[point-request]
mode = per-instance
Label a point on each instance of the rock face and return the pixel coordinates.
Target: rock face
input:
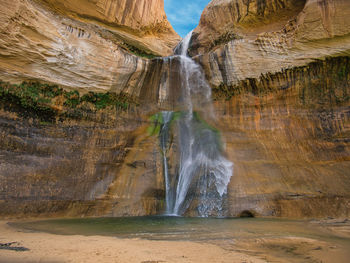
(288, 34)
(88, 165)
(280, 77)
(288, 137)
(225, 20)
(84, 45)
(135, 15)
(285, 118)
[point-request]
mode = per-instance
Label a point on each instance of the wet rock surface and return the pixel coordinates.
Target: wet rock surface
(289, 141)
(66, 168)
(280, 84)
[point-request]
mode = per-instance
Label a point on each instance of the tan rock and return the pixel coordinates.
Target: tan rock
(283, 38)
(288, 137)
(283, 114)
(240, 18)
(81, 50)
(285, 120)
(133, 14)
(145, 19)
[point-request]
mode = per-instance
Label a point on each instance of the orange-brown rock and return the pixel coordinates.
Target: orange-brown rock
(224, 20)
(280, 79)
(84, 45)
(142, 18)
(288, 137)
(233, 47)
(284, 117)
(102, 163)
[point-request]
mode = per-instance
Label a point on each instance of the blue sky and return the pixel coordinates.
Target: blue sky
(184, 15)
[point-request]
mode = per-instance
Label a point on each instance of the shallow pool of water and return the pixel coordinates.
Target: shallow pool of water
(178, 228)
(272, 239)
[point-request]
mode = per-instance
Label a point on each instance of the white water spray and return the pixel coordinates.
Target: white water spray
(204, 172)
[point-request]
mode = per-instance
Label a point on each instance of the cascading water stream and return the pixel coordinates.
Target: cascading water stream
(203, 172)
(164, 134)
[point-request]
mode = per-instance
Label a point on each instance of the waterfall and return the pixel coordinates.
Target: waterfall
(164, 136)
(204, 172)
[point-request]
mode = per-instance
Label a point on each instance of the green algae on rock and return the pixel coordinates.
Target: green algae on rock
(47, 102)
(328, 76)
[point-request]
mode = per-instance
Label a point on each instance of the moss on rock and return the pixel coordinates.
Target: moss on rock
(47, 102)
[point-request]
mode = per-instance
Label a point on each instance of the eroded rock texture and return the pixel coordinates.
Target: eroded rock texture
(282, 101)
(84, 45)
(100, 164)
(225, 20)
(279, 72)
(135, 15)
(288, 136)
(286, 34)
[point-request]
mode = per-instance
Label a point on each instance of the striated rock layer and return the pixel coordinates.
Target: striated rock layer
(84, 45)
(280, 77)
(86, 165)
(288, 136)
(286, 133)
(225, 20)
(233, 47)
(135, 15)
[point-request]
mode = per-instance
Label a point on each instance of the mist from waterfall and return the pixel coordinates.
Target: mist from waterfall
(203, 172)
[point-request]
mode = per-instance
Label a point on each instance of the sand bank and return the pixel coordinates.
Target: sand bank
(45, 247)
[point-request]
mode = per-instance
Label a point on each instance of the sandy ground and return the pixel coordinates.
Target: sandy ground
(45, 248)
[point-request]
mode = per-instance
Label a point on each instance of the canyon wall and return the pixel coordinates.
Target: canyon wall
(70, 168)
(140, 16)
(90, 155)
(291, 34)
(83, 45)
(280, 78)
(54, 142)
(288, 136)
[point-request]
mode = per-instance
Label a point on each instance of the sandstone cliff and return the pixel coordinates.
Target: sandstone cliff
(280, 77)
(133, 15)
(288, 136)
(225, 20)
(85, 45)
(244, 39)
(53, 141)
